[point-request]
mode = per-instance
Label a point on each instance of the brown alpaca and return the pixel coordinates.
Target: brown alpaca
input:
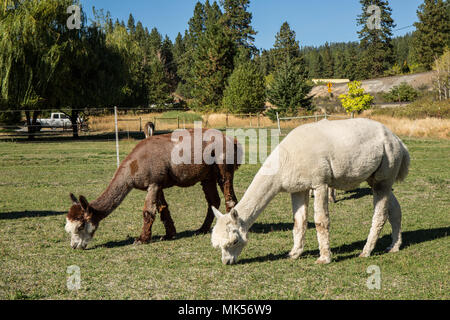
(149, 129)
(149, 167)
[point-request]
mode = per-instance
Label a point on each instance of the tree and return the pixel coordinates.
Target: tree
(442, 77)
(238, 22)
(286, 47)
(245, 92)
(289, 91)
(356, 100)
(376, 40)
(328, 62)
(433, 31)
(131, 24)
(212, 65)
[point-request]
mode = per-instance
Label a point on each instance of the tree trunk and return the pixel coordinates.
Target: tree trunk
(32, 123)
(73, 119)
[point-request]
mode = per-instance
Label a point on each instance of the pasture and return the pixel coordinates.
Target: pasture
(36, 179)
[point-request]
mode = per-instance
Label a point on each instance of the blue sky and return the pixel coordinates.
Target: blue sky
(315, 22)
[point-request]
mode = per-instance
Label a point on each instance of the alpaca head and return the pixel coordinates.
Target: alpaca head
(229, 235)
(79, 223)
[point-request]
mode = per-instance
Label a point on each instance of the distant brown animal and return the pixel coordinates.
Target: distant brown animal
(149, 167)
(149, 129)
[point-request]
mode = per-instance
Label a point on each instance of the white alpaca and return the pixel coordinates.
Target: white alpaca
(339, 154)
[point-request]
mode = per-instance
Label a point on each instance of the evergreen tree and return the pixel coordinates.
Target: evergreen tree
(289, 91)
(131, 24)
(433, 31)
(212, 65)
(245, 92)
(238, 22)
(328, 62)
(286, 47)
(376, 43)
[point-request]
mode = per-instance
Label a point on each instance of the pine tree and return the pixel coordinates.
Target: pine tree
(376, 43)
(433, 31)
(238, 22)
(245, 92)
(286, 47)
(328, 62)
(212, 65)
(131, 24)
(289, 91)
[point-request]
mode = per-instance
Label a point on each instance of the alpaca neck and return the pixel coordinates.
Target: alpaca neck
(258, 195)
(112, 197)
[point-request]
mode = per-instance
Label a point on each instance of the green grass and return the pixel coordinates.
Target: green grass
(36, 179)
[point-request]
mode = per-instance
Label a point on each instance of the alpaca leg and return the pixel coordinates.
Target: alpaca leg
(149, 214)
(331, 194)
(228, 191)
(395, 219)
(380, 202)
(300, 209)
(163, 209)
(322, 221)
(213, 199)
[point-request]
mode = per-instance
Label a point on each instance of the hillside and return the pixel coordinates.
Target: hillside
(418, 80)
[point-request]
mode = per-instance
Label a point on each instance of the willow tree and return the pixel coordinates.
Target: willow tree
(31, 48)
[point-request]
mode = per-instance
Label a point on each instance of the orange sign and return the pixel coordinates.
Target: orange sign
(329, 85)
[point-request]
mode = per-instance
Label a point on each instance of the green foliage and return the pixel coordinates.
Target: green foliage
(433, 31)
(245, 92)
(376, 44)
(356, 100)
(212, 65)
(402, 93)
(420, 109)
(289, 91)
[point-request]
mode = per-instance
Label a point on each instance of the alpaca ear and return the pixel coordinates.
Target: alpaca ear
(234, 215)
(217, 213)
(74, 199)
(84, 203)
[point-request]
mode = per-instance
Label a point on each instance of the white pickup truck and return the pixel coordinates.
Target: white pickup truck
(56, 120)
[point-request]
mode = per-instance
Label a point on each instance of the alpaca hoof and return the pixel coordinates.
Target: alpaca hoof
(167, 237)
(364, 255)
(391, 249)
(201, 231)
(294, 254)
(325, 260)
(138, 241)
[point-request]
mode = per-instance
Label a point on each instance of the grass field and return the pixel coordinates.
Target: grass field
(36, 179)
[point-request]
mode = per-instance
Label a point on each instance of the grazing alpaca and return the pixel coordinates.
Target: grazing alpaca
(149, 129)
(340, 154)
(149, 167)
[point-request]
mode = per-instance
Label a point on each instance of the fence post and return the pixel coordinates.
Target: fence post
(178, 122)
(117, 136)
(278, 122)
(325, 114)
(226, 120)
(140, 124)
(258, 118)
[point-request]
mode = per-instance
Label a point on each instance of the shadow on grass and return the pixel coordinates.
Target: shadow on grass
(130, 240)
(29, 214)
(356, 194)
(409, 238)
(269, 227)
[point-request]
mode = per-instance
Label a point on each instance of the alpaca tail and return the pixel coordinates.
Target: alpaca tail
(404, 166)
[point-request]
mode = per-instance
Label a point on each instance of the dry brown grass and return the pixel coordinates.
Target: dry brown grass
(421, 128)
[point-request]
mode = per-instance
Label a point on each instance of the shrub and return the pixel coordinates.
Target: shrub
(420, 109)
(402, 93)
(356, 100)
(245, 92)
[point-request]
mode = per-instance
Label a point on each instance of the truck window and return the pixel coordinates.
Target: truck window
(56, 116)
